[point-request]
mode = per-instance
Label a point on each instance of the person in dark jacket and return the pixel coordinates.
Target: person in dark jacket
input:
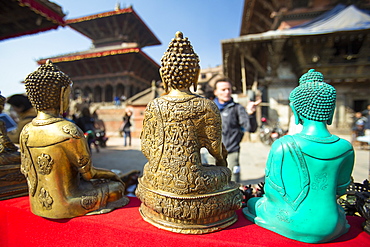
(126, 127)
(86, 123)
(25, 111)
(235, 121)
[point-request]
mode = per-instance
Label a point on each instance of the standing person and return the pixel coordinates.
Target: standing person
(358, 126)
(366, 114)
(86, 124)
(235, 121)
(25, 111)
(126, 127)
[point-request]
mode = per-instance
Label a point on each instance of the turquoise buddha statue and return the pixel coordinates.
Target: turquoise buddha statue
(306, 172)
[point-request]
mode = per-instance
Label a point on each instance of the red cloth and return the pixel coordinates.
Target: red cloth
(125, 227)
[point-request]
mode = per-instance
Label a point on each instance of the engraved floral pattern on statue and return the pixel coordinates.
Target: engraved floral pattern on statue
(320, 181)
(44, 164)
(283, 215)
(89, 201)
(83, 160)
(200, 211)
(72, 130)
(45, 199)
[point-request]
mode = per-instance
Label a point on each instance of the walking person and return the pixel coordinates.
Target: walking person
(126, 127)
(235, 122)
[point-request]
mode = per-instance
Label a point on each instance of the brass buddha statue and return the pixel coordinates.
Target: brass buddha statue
(178, 192)
(8, 151)
(56, 159)
(13, 183)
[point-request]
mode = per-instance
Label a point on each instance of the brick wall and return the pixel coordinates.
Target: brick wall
(112, 118)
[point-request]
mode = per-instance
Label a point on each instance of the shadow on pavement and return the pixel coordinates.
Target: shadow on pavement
(123, 160)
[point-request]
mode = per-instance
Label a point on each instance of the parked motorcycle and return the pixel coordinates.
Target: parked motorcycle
(100, 138)
(90, 137)
(270, 134)
(265, 132)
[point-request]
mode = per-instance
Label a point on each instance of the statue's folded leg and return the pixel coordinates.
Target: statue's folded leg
(112, 197)
(250, 210)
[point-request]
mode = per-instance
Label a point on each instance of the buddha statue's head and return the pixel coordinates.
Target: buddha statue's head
(313, 99)
(179, 64)
(48, 88)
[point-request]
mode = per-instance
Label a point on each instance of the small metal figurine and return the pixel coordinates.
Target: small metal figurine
(306, 172)
(55, 156)
(363, 207)
(13, 183)
(179, 193)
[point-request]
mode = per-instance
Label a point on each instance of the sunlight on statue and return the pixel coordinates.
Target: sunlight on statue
(306, 172)
(55, 156)
(179, 193)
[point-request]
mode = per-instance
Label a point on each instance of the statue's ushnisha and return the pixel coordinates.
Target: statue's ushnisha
(178, 193)
(55, 156)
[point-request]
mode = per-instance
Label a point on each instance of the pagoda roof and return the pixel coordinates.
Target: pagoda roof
(100, 63)
(22, 17)
(339, 19)
(115, 27)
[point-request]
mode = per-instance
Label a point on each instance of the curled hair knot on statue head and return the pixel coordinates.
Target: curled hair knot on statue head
(313, 99)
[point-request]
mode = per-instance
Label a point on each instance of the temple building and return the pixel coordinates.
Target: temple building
(115, 66)
(23, 17)
(281, 40)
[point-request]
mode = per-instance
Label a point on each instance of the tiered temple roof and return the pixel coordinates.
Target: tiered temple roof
(22, 17)
(115, 27)
(115, 66)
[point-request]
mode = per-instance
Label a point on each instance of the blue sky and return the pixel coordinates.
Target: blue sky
(204, 22)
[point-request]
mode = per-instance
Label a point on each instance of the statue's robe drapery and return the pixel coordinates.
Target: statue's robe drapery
(303, 176)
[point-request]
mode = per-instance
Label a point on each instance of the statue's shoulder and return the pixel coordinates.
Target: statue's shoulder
(55, 132)
(210, 104)
(314, 146)
(70, 129)
(344, 144)
(277, 146)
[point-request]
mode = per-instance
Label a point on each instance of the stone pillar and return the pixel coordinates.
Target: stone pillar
(340, 118)
(243, 73)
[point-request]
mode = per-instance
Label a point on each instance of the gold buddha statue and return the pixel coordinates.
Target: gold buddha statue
(178, 192)
(55, 156)
(8, 151)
